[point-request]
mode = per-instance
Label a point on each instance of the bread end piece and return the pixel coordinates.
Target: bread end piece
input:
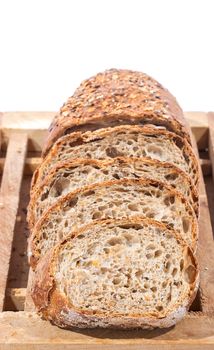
(56, 307)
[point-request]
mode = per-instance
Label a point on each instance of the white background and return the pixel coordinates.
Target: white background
(48, 47)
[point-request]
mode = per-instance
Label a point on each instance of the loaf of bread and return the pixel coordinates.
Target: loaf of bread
(122, 141)
(70, 175)
(124, 273)
(113, 199)
(113, 208)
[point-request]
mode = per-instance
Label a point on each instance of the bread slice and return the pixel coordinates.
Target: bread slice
(126, 273)
(123, 141)
(70, 175)
(113, 199)
(117, 97)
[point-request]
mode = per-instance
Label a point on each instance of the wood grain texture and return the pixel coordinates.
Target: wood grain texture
(30, 165)
(30, 332)
(9, 200)
(205, 251)
(206, 166)
(211, 139)
(35, 124)
(29, 305)
(15, 299)
(198, 122)
(18, 272)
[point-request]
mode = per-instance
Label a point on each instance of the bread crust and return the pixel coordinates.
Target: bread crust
(79, 138)
(115, 96)
(54, 306)
(102, 164)
(35, 236)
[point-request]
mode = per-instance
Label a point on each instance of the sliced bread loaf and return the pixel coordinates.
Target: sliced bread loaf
(125, 273)
(124, 141)
(117, 97)
(113, 199)
(70, 175)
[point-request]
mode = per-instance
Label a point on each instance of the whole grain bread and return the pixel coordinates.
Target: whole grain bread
(128, 273)
(118, 148)
(112, 199)
(70, 175)
(124, 141)
(117, 97)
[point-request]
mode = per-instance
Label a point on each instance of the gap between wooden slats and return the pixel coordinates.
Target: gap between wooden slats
(9, 200)
(205, 251)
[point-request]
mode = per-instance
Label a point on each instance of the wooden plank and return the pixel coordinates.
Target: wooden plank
(211, 139)
(205, 251)
(37, 123)
(18, 272)
(198, 122)
(26, 120)
(9, 200)
(0, 134)
(197, 119)
(206, 166)
(15, 299)
(30, 165)
(27, 331)
(29, 305)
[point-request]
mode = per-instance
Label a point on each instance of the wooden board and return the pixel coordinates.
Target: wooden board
(9, 199)
(20, 327)
(25, 330)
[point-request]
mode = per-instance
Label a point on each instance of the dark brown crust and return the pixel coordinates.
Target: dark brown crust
(73, 163)
(54, 306)
(34, 256)
(78, 138)
(110, 97)
(43, 286)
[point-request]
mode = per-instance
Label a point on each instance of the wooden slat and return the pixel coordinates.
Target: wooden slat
(29, 305)
(30, 165)
(35, 124)
(198, 122)
(0, 133)
(27, 331)
(205, 250)
(26, 120)
(206, 166)
(197, 119)
(211, 139)
(15, 299)
(9, 200)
